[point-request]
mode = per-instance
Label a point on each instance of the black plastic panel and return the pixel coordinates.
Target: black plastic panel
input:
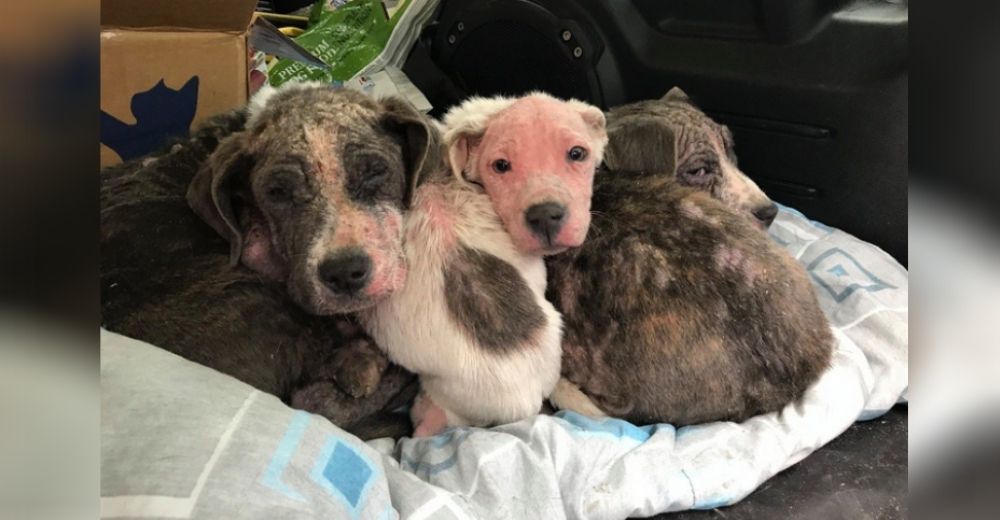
(776, 21)
(513, 46)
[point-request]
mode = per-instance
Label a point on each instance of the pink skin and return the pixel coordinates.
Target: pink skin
(430, 202)
(389, 272)
(535, 135)
(259, 255)
(428, 418)
(377, 232)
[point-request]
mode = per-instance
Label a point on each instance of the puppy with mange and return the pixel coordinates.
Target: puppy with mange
(672, 133)
(472, 320)
(678, 308)
(303, 194)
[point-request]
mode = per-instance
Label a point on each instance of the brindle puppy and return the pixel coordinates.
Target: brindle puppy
(677, 308)
(638, 134)
(303, 199)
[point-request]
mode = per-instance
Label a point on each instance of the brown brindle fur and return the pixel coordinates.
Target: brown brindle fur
(249, 307)
(670, 133)
(678, 309)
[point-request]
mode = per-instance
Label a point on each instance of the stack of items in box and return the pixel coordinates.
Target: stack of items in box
(168, 66)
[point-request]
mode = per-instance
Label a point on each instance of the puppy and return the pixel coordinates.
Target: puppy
(638, 134)
(473, 320)
(303, 194)
(678, 308)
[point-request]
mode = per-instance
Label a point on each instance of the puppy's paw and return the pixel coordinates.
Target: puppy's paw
(359, 367)
(434, 423)
(568, 396)
(429, 419)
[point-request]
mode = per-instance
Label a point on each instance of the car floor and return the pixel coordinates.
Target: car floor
(860, 474)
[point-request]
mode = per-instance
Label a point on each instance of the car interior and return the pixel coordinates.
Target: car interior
(816, 95)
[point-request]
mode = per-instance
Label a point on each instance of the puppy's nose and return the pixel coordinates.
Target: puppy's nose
(545, 220)
(766, 214)
(346, 273)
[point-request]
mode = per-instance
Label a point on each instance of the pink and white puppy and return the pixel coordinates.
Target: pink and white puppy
(472, 319)
(542, 197)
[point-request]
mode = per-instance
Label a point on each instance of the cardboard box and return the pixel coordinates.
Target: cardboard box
(166, 65)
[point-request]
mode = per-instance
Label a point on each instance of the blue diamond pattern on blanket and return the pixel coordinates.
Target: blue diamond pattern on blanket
(837, 270)
(344, 472)
(841, 275)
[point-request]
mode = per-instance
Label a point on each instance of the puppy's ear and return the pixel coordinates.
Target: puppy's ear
(459, 154)
(594, 118)
(640, 144)
(421, 141)
(465, 126)
(676, 94)
(728, 143)
(212, 190)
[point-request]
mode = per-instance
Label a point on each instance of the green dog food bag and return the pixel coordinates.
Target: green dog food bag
(346, 35)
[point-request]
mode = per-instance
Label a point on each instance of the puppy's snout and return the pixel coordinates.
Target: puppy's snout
(766, 214)
(545, 220)
(346, 273)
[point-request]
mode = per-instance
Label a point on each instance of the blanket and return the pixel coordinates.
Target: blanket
(180, 440)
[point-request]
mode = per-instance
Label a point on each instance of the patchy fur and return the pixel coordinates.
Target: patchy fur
(677, 309)
(473, 320)
(490, 300)
(283, 193)
(476, 375)
(672, 135)
(321, 174)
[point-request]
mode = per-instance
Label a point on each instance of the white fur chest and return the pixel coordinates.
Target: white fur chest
(418, 330)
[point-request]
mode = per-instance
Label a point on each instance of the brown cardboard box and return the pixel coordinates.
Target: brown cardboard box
(167, 65)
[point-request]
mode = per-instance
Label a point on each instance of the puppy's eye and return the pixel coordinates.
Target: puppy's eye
(577, 154)
(501, 166)
(278, 193)
(375, 177)
(697, 176)
(283, 184)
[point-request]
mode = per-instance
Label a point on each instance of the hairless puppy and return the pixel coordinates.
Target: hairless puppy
(472, 320)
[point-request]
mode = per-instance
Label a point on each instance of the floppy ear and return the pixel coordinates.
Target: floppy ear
(459, 153)
(421, 141)
(641, 145)
(465, 125)
(594, 118)
(210, 194)
(676, 94)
